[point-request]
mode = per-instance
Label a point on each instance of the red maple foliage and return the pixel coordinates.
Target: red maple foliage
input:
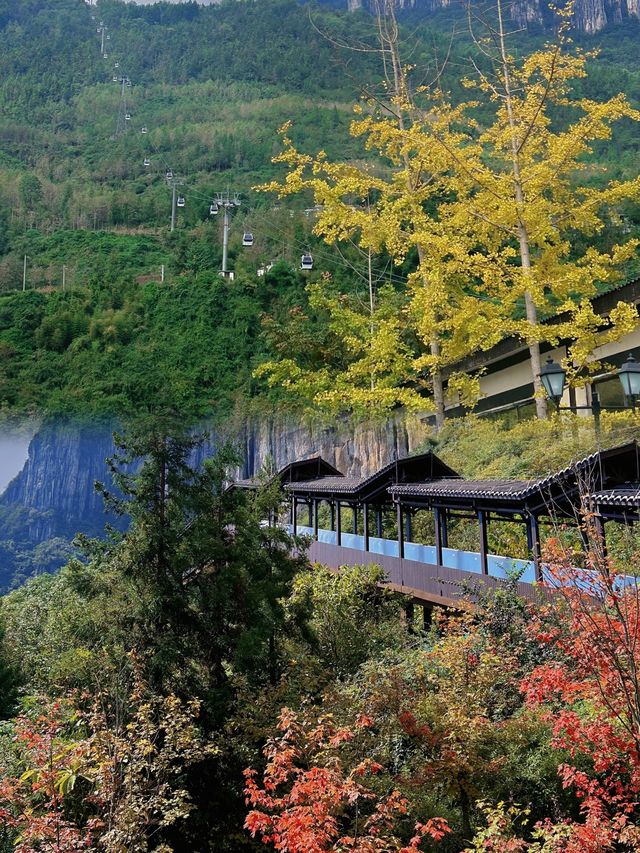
(309, 802)
(590, 693)
(54, 760)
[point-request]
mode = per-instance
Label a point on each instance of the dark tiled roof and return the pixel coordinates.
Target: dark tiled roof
(518, 490)
(289, 472)
(410, 468)
(591, 461)
(468, 488)
(425, 476)
(343, 485)
(245, 484)
(626, 495)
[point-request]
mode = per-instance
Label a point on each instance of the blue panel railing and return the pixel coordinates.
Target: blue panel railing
(420, 553)
(328, 536)
(387, 547)
(499, 567)
(452, 558)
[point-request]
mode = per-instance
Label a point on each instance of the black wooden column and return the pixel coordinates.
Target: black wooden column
(338, 524)
(407, 525)
(438, 527)
(533, 543)
(400, 531)
(316, 510)
(365, 520)
(294, 514)
(332, 511)
(444, 530)
(484, 545)
(355, 519)
(598, 522)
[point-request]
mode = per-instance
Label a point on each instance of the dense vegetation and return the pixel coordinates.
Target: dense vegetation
(212, 84)
(137, 686)
(192, 684)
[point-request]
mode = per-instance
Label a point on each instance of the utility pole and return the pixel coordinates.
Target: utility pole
(122, 109)
(173, 205)
(24, 275)
(102, 30)
(225, 240)
(226, 202)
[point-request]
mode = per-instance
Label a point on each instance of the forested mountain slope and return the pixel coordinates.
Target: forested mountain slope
(98, 334)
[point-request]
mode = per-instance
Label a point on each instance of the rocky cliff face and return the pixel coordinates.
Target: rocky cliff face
(56, 485)
(355, 452)
(591, 16)
(53, 497)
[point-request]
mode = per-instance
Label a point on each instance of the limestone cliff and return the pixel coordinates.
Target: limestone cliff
(591, 16)
(53, 497)
(354, 451)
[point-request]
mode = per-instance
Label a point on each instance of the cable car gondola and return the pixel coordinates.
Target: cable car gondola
(181, 201)
(116, 65)
(169, 175)
(147, 162)
(127, 116)
(115, 79)
(144, 130)
(306, 261)
(247, 238)
(213, 209)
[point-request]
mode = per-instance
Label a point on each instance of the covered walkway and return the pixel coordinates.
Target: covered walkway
(405, 516)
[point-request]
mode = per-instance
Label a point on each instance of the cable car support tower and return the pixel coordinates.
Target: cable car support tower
(227, 203)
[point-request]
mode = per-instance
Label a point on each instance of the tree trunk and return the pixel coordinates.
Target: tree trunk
(388, 35)
(523, 236)
(534, 354)
(438, 389)
(465, 809)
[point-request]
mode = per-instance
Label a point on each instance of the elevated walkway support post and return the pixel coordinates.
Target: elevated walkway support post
(316, 510)
(294, 515)
(355, 519)
(427, 617)
(338, 525)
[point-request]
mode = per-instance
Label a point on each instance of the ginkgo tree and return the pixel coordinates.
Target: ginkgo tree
(405, 337)
(523, 198)
(491, 211)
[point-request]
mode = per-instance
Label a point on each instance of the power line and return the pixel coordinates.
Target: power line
(222, 200)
